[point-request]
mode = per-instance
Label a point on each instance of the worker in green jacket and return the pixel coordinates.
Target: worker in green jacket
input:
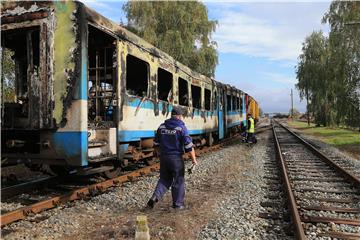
(250, 130)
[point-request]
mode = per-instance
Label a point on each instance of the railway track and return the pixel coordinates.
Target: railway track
(62, 192)
(323, 195)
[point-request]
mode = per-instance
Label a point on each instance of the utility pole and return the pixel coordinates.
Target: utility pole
(292, 106)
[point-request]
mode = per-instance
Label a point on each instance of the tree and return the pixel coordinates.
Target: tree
(328, 71)
(311, 74)
(344, 20)
(7, 76)
(180, 28)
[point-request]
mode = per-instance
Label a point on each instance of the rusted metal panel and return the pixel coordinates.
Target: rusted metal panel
(46, 115)
(25, 17)
(65, 45)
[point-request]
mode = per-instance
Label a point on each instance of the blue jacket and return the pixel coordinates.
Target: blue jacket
(173, 138)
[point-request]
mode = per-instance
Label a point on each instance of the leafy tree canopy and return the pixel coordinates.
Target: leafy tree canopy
(328, 70)
(180, 28)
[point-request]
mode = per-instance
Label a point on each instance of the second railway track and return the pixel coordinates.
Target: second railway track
(324, 198)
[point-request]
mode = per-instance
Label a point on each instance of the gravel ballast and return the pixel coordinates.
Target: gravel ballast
(222, 201)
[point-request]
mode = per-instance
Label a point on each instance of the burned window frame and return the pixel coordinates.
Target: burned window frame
(180, 79)
(147, 76)
(198, 96)
(207, 100)
(169, 97)
(241, 106)
(237, 103)
(34, 103)
(234, 103)
(228, 103)
(215, 100)
(105, 92)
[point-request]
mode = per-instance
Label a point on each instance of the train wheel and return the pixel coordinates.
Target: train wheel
(116, 171)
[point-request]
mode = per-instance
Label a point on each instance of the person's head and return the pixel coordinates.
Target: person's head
(176, 112)
(249, 116)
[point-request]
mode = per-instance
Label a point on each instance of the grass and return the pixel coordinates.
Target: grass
(343, 139)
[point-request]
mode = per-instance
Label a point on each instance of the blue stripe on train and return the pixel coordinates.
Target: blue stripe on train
(136, 135)
(73, 145)
(148, 104)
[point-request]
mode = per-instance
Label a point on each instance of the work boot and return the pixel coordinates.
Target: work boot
(179, 207)
(151, 203)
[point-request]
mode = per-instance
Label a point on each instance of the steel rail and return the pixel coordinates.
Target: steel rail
(323, 157)
(23, 212)
(10, 191)
(300, 234)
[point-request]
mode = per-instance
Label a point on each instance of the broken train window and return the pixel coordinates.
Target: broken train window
(137, 75)
(102, 76)
(215, 100)
(207, 99)
(234, 103)
(164, 85)
(228, 102)
(20, 68)
(196, 96)
(241, 105)
(183, 92)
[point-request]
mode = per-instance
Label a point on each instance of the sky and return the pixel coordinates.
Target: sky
(258, 44)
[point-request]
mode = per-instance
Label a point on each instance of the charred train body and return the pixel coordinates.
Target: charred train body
(86, 92)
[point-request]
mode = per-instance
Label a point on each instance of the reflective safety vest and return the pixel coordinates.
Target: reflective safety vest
(252, 127)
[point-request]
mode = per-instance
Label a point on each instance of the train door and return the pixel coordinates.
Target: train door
(102, 96)
(221, 113)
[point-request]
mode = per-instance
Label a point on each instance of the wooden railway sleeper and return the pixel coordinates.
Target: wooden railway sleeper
(56, 203)
(27, 211)
(81, 195)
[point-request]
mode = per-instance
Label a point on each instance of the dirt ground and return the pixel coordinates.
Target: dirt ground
(166, 223)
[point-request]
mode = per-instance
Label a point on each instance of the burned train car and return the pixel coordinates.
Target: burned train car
(88, 93)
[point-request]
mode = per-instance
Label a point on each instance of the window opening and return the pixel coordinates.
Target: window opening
(237, 103)
(137, 74)
(207, 99)
(228, 102)
(215, 100)
(20, 49)
(241, 103)
(183, 92)
(234, 105)
(164, 85)
(102, 76)
(196, 96)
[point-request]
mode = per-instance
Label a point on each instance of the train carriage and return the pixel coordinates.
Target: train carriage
(89, 93)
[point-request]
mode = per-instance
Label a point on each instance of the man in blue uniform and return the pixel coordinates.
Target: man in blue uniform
(172, 140)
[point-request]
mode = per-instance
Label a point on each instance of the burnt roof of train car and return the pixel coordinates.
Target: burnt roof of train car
(102, 22)
(13, 11)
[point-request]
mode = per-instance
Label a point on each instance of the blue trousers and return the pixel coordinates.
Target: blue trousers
(172, 172)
